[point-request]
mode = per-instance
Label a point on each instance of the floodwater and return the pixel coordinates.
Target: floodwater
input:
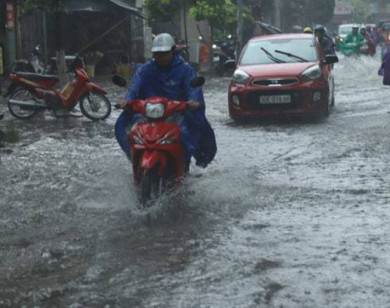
(289, 214)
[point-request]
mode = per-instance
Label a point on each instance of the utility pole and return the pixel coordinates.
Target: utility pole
(277, 16)
(239, 29)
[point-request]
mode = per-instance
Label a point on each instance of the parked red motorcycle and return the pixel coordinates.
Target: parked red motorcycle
(157, 153)
(30, 92)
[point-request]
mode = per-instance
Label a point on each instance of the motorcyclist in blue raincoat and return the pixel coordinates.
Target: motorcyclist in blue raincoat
(168, 75)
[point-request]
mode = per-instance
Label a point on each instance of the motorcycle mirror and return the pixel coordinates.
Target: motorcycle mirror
(197, 82)
(119, 81)
(37, 50)
(330, 59)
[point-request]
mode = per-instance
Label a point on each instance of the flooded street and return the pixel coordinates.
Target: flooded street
(289, 214)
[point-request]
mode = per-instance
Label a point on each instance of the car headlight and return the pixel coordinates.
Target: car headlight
(240, 77)
(312, 73)
(154, 111)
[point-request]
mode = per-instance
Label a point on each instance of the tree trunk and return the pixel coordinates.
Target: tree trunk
(62, 67)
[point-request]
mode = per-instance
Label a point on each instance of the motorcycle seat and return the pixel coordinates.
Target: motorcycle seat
(37, 76)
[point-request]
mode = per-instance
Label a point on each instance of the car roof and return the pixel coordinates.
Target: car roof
(350, 25)
(281, 36)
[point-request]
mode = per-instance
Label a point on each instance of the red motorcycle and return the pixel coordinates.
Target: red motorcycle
(157, 153)
(30, 92)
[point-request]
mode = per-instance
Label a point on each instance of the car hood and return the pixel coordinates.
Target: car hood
(276, 70)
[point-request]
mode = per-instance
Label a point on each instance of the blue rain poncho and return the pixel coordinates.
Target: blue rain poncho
(151, 79)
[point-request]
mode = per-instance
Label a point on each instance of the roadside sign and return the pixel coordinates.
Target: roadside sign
(343, 8)
(10, 11)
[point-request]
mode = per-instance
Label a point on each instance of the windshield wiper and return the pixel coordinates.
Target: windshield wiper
(291, 55)
(276, 60)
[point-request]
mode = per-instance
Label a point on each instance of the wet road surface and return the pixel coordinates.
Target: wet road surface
(290, 213)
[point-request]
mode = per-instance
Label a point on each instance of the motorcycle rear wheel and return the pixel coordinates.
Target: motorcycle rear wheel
(95, 106)
(20, 112)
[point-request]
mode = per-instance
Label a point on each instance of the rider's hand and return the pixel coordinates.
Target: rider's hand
(122, 103)
(192, 105)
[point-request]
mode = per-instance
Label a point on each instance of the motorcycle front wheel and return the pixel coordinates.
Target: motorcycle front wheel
(150, 188)
(95, 106)
(22, 112)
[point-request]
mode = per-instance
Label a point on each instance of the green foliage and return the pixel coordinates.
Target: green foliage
(361, 10)
(50, 6)
(10, 134)
(323, 10)
(162, 10)
(221, 14)
(217, 12)
(317, 12)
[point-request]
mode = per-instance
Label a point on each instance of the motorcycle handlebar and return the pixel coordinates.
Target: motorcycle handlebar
(188, 106)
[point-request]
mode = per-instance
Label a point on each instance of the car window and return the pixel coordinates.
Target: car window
(345, 30)
(303, 48)
(386, 27)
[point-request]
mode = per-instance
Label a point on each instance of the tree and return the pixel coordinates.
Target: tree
(163, 10)
(361, 10)
(218, 13)
(221, 14)
(320, 11)
(55, 7)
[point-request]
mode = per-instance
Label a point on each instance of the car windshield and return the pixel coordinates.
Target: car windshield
(263, 52)
(345, 30)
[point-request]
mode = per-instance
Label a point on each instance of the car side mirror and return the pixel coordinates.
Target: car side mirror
(197, 82)
(119, 81)
(330, 59)
(230, 64)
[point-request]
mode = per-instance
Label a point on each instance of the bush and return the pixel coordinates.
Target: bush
(10, 135)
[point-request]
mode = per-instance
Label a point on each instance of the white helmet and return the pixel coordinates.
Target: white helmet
(163, 42)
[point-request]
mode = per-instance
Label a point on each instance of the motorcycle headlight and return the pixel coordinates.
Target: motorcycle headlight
(240, 77)
(168, 141)
(312, 73)
(154, 111)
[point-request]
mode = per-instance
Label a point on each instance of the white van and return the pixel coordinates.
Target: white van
(346, 29)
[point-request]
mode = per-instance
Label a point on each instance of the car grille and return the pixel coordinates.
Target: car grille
(254, 100)
(274, 82)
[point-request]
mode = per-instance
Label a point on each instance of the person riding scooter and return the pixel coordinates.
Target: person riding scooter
(353, 42)
(371, 48)
(326, 42)
(168, 75)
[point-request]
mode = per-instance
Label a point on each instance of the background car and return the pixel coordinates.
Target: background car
(284, 74)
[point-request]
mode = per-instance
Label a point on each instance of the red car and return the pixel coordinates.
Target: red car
(283, 74)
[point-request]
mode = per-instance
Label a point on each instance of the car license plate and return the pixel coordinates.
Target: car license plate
(275, 99)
